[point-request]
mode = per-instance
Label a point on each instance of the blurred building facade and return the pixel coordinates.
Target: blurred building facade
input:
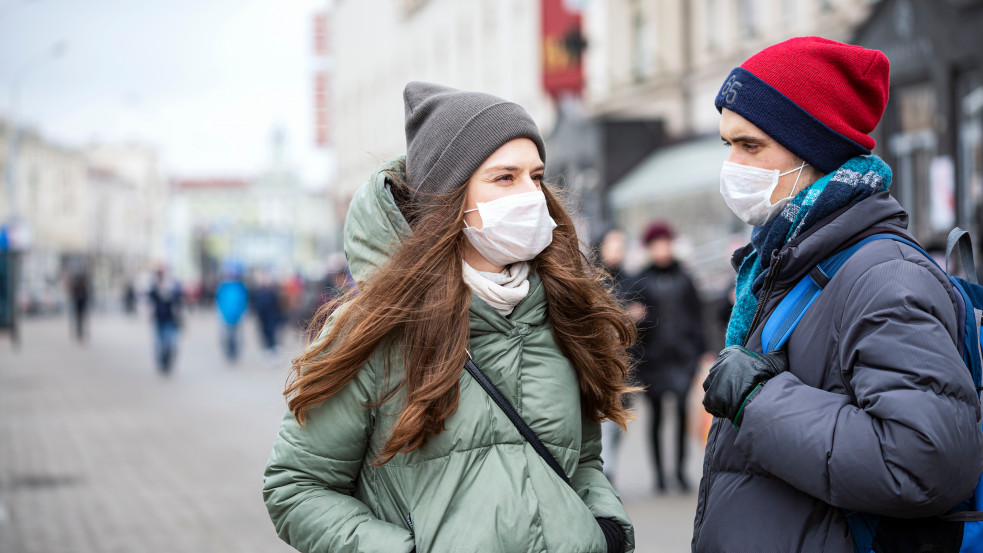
(129, 199)
(932, 131)
(639, 140)
(379, 45)
(76, 212)
(269, 221)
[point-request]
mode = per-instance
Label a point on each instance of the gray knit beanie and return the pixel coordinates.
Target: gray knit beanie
(450, 133)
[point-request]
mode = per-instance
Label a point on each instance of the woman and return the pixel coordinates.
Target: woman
(389, 445)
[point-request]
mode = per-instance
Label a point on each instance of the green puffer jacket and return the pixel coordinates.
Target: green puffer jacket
(478, 485)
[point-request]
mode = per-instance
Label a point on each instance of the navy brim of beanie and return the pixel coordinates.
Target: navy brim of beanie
(784, 121)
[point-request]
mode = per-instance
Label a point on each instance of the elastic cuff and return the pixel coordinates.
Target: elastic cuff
(614, 536)
(739, 417)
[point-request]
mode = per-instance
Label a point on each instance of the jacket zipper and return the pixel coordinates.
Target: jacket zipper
(705, 492)
(409, 521)
(765, 295)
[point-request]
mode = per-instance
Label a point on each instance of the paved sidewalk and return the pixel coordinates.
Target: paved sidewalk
(99, 454)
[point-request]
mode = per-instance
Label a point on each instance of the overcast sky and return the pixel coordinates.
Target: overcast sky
(206, 81)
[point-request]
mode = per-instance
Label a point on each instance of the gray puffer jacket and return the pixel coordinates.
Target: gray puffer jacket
(877, 412)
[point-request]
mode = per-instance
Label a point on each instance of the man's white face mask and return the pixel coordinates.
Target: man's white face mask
(514, 228)
(747, 191)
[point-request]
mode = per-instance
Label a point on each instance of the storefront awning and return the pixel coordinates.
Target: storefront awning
(676, 170)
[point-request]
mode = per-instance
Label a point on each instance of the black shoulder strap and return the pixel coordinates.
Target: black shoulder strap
(513, 416)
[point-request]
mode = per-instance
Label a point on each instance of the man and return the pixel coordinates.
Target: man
(266, 303)
(670, 342)
(869, 407)
(165, 299)
(79, 289)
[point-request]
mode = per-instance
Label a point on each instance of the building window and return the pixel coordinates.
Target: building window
(969, 98)
(914, 146)
(746, 15)
(712, 17)
(641, 40)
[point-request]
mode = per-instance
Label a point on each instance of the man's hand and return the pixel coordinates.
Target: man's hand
(736, 377)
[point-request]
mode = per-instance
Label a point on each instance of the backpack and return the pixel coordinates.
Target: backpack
(960, 530)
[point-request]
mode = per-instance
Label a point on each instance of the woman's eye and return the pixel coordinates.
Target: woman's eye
(503, 178)
(537, 178)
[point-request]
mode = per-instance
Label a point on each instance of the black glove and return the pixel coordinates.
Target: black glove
(736, 377)
(614, 536)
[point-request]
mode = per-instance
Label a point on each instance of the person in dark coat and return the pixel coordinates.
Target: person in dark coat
(670, 342)
(165, 301)
(79, 290)
(129, 298)
(269, 314)
(868, 408)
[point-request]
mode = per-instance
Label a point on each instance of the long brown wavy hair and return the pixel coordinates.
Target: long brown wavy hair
(418, 299)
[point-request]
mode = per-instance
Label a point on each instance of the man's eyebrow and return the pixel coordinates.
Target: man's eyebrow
(745, 138)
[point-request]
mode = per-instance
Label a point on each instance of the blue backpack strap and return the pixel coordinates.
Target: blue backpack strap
(783, 320)
(863, 528)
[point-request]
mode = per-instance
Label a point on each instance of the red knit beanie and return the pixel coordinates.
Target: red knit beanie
(817, 97)
(657, 230)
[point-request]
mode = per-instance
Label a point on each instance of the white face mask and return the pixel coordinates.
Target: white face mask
(747, 191)
(514, 228)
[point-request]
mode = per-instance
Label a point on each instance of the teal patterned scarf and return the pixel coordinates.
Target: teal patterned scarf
(855, 180)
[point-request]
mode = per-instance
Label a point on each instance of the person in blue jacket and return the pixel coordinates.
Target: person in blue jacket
(232, 299)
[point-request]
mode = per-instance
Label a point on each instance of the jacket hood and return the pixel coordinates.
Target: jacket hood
(374, 225)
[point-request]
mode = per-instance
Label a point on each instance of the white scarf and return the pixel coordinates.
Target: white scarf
(504, 290)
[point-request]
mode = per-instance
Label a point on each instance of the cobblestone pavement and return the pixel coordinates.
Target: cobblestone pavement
(99, 454)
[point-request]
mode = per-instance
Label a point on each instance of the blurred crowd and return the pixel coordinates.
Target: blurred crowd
(276, 304)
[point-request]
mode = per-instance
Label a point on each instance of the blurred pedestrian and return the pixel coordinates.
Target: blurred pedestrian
(670, 343)
(388, 446)
(165, 301)
(292, 294)
(79, 289)
(268, 309)
(324, 300)
(611, 253)
(129, 297)
(865, 425)
(231, 299)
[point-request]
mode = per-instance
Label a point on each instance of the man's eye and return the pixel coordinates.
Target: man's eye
(751, 147)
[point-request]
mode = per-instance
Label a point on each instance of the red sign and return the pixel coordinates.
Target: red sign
(322, 109)
(563, 46)
(321, 46)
